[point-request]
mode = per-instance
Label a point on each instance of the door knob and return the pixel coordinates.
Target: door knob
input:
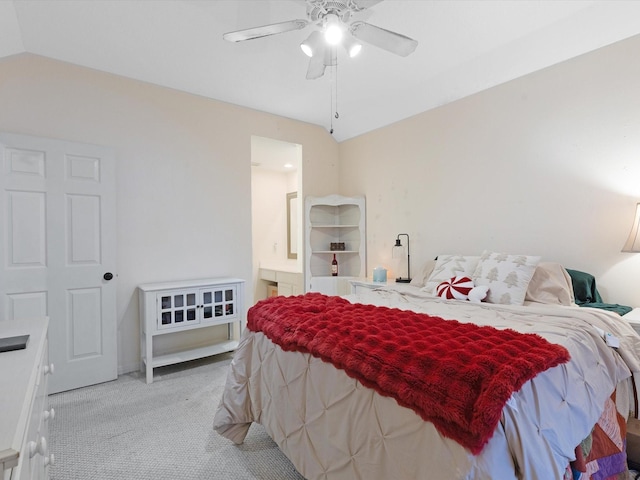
(108, 276)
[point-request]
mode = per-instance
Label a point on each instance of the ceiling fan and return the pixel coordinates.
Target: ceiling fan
(332, 26)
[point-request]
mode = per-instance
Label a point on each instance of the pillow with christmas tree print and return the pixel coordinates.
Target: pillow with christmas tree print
(507, 276)
(448, 266)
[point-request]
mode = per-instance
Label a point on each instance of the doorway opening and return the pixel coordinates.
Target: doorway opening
(276, 217)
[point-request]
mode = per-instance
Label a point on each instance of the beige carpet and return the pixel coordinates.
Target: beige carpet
(128, 430)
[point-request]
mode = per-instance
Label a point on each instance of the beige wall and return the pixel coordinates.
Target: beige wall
(547, 164)
(183, 169)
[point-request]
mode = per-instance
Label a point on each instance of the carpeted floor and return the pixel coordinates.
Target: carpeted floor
(128, 430)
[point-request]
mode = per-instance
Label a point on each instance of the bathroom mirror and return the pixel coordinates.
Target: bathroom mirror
(292, 225)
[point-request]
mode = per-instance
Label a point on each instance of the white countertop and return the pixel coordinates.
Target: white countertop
(281, 267)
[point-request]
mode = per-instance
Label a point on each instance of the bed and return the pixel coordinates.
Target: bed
(567, 420)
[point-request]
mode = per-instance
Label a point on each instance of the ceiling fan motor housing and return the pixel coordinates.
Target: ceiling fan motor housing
(318, 9)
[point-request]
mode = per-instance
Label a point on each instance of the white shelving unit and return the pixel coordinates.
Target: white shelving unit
(172, 307)
(334, 219)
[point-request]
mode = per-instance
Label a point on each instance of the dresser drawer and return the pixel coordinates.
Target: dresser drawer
(24, 375)
(35, 450)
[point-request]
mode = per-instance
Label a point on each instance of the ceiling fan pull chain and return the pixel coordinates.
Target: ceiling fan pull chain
(334, 94)
(334, 100)
(336, 114)
(331, 103)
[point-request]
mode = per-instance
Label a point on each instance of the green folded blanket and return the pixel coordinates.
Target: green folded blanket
(586, 294)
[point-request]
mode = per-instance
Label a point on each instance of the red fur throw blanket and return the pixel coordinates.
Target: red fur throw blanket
(457, 375)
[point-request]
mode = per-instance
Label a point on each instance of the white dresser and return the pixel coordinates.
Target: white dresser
(24, 410)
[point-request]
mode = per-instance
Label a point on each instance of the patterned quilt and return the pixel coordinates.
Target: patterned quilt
(602, 455)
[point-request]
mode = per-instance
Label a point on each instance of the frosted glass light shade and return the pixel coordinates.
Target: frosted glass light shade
(351, 46)
(633, 242)
(312, 44)
(333, 30)
(306, 49)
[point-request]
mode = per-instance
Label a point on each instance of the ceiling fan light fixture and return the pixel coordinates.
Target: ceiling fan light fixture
(352, 46)
(306, 48)
(311, 44)
(332, 25)
(333, 30)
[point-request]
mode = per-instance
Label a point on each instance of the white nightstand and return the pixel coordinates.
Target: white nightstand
(361, 285)
(633, 317)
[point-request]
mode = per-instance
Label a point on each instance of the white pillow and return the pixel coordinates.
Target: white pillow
(423, 274)
(550, 284)
(449, 266)
(507, 276)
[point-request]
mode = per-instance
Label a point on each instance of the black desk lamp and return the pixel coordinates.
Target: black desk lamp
(399, 244)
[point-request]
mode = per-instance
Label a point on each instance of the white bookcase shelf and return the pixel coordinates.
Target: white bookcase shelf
(171, 307)
(194, 353)
(334, 219)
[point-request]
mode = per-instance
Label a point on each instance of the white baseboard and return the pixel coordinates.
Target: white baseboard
(132, 367)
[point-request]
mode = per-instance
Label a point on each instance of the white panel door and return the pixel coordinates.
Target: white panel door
(57, 246)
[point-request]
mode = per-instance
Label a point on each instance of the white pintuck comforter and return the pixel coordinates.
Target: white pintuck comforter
(332, 427)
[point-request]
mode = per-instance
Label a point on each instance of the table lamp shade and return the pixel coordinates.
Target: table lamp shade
(633, 242)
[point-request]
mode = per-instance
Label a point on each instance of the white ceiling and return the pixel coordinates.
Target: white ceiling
(464, 47)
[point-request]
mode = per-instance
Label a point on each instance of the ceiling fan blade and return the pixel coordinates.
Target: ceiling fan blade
(316, 67)
(387, 40)
(265, 30)
(323, 56)
(364, 4)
